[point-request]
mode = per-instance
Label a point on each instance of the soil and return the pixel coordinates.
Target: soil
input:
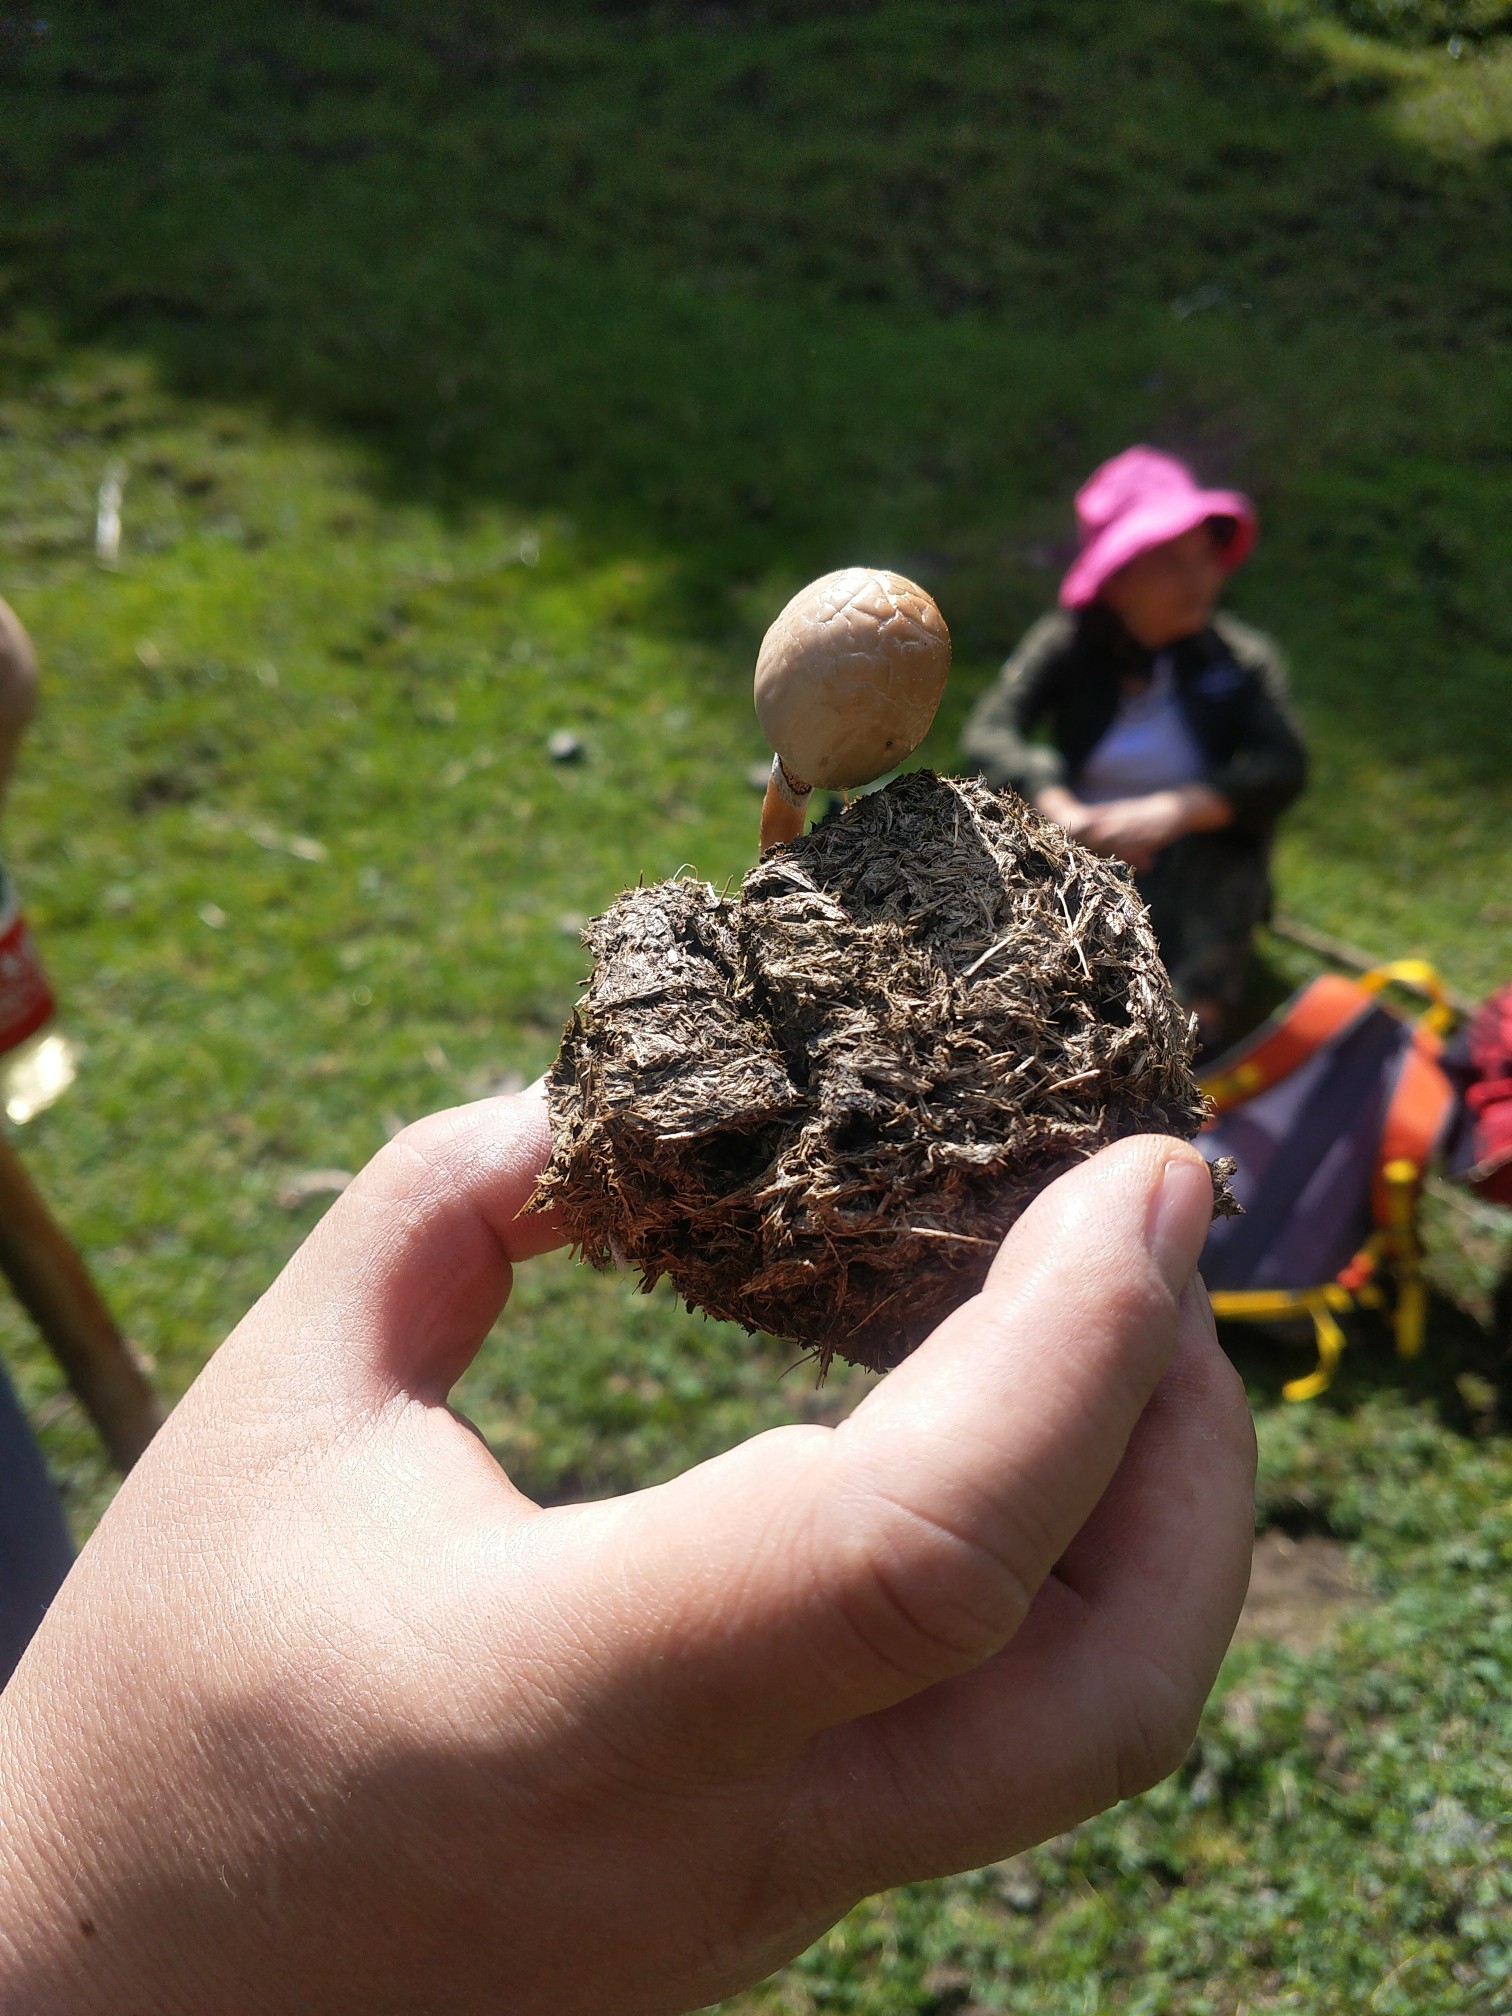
(1299, 1589)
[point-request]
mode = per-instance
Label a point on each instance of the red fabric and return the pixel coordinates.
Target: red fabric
(26, 1000)
(1491, 1035)
(1489, 1098)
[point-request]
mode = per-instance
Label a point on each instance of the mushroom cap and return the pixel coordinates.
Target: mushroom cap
(849, 676)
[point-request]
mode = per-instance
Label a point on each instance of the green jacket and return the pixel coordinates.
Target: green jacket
(1067, 677)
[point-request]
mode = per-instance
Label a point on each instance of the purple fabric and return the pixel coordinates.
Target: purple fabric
(1306, 1151)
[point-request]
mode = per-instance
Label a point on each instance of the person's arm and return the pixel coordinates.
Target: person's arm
(1248, 790)
(330, 1717)
(18, 691)
(1136, 829)
(997, 736)
(1060, 803)
(1268, 769)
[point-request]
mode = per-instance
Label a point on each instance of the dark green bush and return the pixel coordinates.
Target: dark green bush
(1423, 21)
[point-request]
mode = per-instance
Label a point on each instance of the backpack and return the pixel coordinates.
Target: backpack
(1332, 1112)
(1479, 1064)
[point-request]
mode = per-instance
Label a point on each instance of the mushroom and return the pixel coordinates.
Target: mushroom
(847, 682)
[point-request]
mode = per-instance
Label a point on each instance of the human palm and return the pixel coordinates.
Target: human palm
(331, 1718)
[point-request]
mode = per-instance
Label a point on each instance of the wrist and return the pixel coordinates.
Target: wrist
(1201, 809)
(71, 1938)
(33, 1925)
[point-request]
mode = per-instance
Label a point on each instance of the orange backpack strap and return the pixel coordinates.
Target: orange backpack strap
(1324, 1008)
(1417, 1114)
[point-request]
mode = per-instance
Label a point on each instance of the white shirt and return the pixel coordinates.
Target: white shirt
(1148, 745)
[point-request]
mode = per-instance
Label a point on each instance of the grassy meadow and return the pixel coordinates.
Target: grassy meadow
(482, 370)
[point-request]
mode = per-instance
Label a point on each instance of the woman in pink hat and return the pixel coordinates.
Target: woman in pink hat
(1170, 740)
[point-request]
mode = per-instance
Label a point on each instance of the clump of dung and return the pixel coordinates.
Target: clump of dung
(818, 1107)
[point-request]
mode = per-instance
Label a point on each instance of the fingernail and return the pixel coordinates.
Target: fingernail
(1180, 1213)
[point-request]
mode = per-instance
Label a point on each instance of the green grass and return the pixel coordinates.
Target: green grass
(478, 374)
(1338, 1840)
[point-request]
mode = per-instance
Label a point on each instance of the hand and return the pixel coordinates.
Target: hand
(329, 1718)
(1065, 808)
(1136, 829)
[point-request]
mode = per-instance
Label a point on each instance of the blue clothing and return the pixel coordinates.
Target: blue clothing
(35, 1553)
(1147, 747)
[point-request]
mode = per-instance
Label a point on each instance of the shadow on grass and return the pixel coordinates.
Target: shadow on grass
(1464, 1375)
(760, 287)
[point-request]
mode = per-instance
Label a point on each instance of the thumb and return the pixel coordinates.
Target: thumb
(400, 1282)
(816, 1575)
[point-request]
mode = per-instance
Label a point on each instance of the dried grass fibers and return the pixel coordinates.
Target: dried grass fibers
(818, 1107)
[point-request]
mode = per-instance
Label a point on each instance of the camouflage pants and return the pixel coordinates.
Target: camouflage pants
(1207, 892)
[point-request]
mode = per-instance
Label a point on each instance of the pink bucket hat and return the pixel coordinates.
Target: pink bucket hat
(1138, 500)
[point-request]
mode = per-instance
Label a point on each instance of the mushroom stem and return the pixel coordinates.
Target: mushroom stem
(784, 808)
